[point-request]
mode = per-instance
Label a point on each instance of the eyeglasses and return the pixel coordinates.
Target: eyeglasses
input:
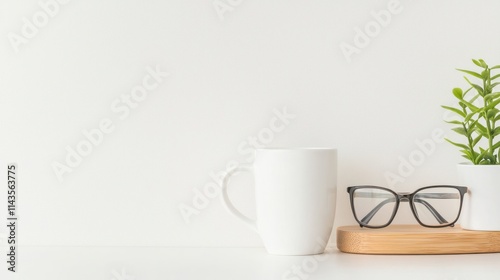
(433, 206)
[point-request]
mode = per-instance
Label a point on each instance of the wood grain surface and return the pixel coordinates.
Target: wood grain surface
(416, 240)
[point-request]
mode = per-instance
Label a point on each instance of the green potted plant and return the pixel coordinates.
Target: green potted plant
(478, 124)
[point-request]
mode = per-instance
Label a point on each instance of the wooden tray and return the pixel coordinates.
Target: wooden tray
(415, 239)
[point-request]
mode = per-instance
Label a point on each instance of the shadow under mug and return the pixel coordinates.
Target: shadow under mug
(295, 195)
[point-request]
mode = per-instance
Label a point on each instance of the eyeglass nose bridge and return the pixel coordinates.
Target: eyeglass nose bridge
(404, 197)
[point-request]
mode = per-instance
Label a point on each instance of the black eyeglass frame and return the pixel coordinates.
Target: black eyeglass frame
(410, 198)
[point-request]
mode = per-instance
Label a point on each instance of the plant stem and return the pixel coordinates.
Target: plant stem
(490, 125)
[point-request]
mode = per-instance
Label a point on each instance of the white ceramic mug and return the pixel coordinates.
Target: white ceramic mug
(295, 193)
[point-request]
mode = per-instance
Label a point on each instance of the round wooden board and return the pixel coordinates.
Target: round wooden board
(416, 240)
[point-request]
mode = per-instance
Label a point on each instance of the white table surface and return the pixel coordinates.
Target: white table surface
(142, 263)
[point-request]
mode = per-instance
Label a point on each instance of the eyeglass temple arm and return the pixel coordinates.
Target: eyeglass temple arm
(431, 209)
(434, 212)
(366, 219)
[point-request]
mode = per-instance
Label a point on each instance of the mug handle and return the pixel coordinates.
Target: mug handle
(225, 197)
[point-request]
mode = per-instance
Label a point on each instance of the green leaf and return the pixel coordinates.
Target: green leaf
(496, 76)
(477, 63)
(467, 91)
(474, 142)
(458, 93)
(492, 104)
(479, 162)
(474, 98)
(471, 106)
(472, 125)
(462, 105)
(495, 132)
(455, 110)
(496, 145)
(460, 130)
(491, 113)
(468, 158)
(481, 130)
(494, 85)
(455, 122)
(495, 67)
(483, 63)
(485, 74)
(467, 154)
(457, 144)
(477, 87)
(478, 159)
(472, 73)
(481, 126)
(490, 157)
(492, 95)
(468, 117)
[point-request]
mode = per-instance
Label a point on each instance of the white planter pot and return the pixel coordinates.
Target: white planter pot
(481, 209)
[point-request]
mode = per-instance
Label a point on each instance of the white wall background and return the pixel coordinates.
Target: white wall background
(226, 78)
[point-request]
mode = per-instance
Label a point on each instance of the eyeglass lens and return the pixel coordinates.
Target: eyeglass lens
(374, 207)
(437, 206)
